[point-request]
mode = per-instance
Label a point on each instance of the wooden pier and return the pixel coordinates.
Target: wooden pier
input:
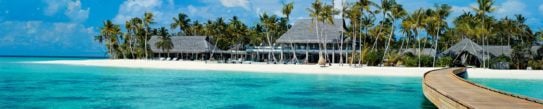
(448, 90)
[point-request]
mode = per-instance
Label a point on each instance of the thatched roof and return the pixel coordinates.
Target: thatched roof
(537, 50)
(466, 45)
(423, 51)
(507, 50)
(186, 44)
(303, 31)
(498, 50)
(237, 47)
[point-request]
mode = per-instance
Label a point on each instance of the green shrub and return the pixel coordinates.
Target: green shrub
(495, 63)
(521, 55)
(426, 61)
(409, 61)
(444, 61)
(373, 58)
(535, 64)
(413, 61)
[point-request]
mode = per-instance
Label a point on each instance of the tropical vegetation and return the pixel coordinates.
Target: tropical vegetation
(382, 29)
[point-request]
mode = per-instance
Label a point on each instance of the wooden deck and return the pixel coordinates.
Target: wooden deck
(447, 90)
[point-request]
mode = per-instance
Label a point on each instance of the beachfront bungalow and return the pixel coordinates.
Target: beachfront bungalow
(416, 52)
(301, 42)
(186, 48)
(467, 52)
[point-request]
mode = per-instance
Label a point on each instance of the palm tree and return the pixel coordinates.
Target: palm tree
(484, 7)
(197, 28)
(238, 30)
(182, 22)
(366, 22)
(165, 42)
(209, 30)
(138, 31)
(147, 21)
(287, 10)
(418, 23)
(397, 12)
(386, 6)
(128, 37)
(269, 23)
(406, 28)
(327, 14)
(109, 33)
(315, 11)
(440, 15)
(354, 14)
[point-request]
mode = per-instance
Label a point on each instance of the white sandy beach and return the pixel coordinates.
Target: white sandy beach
(300, 69)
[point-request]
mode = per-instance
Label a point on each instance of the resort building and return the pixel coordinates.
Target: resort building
(301, 42)
(186, 47)
(468, 52)
(416, 52)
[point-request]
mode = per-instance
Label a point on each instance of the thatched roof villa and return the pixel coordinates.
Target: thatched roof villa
(186, 46)
(469, 52)
(303, 41)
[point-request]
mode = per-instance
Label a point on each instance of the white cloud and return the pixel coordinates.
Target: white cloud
(236, 3)
(541, 8)
(72, 9)
(38, 35)
(163, 11)
(75, 12)
(459, 10)
(53, 6)
(511, 7)
(135, 8)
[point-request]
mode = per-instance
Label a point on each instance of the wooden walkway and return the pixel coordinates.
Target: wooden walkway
(447, 90)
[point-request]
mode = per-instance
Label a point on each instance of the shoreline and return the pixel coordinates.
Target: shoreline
(336, 69)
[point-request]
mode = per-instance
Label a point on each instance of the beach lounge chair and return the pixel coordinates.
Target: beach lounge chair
(174, 59)
(240, 61)
(161, 59)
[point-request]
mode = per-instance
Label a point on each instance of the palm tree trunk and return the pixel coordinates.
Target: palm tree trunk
(353, 45)
(281, 58)
(388, 43)
(418, 51)
(319, 42)
(272, 49)
(294, 58)
(401, 47)
(435, 49)
(306, 53)
(325, 43)
(168, 52)
(341, 50)
(145, 45)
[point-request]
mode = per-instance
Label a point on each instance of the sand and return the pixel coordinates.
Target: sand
(299, 69)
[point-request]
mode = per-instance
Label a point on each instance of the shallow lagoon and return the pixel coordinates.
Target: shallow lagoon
(525, 87)
(60, 86)
(25, 85)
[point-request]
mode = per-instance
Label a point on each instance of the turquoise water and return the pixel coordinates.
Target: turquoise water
(524, 87)
(60, 86)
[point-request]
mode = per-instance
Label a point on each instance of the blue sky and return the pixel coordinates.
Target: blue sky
(67, 27)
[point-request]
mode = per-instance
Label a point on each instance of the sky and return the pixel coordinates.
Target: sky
(67, 27)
